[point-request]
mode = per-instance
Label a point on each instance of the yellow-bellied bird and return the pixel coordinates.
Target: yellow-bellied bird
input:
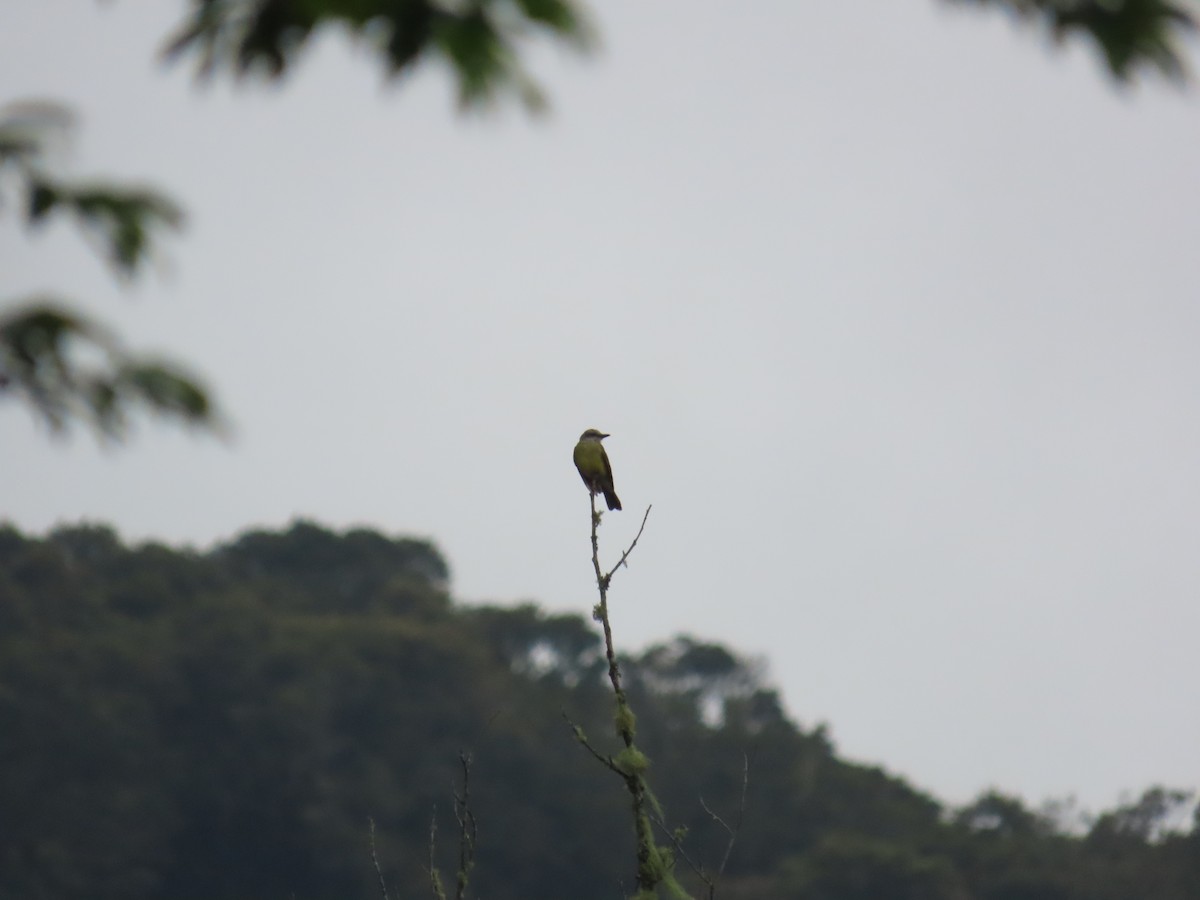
(594, 467)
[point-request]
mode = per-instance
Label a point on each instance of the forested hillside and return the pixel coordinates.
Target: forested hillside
(176, 724)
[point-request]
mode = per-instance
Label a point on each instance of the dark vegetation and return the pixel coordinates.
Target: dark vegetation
(221, 725)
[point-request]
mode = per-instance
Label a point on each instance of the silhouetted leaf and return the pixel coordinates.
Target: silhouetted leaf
(69, 367)
(42, 198)
(165, 389)
(478, 38)
(1130, 33)
(124, 218)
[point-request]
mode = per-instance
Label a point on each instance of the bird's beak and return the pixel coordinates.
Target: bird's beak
(603, 436)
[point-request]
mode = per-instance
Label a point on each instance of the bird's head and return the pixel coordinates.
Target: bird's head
(593, 434)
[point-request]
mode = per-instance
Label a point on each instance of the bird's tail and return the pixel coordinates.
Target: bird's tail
(611, 498)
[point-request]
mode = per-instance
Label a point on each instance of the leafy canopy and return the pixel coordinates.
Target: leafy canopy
(66, 365)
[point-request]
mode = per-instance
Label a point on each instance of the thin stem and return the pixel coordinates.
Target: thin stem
(601, 613)
(649, 873)
(435, 877)
(467, 828)
(732, 832)
(375, 859)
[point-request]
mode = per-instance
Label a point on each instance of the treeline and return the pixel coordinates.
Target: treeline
(176, 724)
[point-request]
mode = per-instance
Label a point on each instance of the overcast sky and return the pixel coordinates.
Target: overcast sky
(891, 311)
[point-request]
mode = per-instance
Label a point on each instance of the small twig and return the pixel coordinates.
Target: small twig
(629, 549)
(435, 877)
(606, 761)
(732, 832)
(710, 881)
(467, 828)
(375, 859)
(678, 844)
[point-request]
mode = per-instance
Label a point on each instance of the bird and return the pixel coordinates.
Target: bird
(594, 467)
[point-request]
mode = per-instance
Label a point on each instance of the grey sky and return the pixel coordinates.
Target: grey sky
(892, 315)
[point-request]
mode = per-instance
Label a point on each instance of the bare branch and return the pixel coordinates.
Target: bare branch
(606, 761)
(629, 549)
(375, 859)
(468, 831)
(435, 877)
(732, 832)
(674, 838)
(710, 881)
(737, 825)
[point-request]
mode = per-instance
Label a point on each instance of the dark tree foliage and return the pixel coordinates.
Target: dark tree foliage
(222, 724)
(478, 39)
(307, 567)
(1130, 34)
(63, 364)
(848, 866)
